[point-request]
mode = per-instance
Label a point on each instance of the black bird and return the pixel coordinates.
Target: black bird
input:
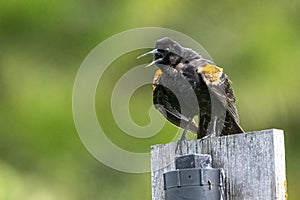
(187, 85)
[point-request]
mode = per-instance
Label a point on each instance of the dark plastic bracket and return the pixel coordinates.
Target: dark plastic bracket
(194, 178)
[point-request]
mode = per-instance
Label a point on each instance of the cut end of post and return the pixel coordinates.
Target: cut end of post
(241, 156)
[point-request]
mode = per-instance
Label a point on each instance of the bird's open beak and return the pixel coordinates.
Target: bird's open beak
(154, 51)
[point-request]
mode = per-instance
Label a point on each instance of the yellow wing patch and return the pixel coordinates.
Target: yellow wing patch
(211, 74)
(157, 74)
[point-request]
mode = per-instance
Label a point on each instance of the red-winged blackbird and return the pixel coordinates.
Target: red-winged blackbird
(187, 85)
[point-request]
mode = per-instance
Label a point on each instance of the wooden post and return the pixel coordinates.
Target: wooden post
(254, 163)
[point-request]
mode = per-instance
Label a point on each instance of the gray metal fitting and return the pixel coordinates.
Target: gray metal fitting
(194, 179)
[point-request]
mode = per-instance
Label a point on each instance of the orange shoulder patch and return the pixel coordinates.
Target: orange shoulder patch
(157, 74)
(211, 74)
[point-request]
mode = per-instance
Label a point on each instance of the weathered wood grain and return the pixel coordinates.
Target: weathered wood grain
(254, 163)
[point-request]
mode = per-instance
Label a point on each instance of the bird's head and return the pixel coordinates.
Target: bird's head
(169, 52)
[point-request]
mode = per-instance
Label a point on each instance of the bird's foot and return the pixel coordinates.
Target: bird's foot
(206, 137)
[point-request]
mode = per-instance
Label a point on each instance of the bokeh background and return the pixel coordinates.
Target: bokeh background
(43, 43)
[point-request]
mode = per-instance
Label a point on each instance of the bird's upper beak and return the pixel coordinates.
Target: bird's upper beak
(153, 52)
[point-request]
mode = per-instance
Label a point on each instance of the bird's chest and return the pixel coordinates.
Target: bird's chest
(187, 88)
(181, 85)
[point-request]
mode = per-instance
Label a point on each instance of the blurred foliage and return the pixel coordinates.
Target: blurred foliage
(42, 44)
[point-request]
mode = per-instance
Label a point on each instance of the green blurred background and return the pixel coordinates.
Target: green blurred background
(43, 43)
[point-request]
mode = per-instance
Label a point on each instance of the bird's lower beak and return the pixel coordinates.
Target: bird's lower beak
(154, 62)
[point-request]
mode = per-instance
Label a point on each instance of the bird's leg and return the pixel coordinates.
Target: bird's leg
(213, 129)
(202, 127)
(182, 139)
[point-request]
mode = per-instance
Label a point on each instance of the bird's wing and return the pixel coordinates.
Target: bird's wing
(219, 86)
